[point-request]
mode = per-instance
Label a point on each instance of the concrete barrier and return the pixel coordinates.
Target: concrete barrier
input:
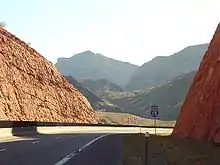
(22, 131)
(88, 129)
(159, 131)
(99, 129)
(5, 132)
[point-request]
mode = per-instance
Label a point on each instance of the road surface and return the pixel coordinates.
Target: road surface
(55, 149)
(59, 149)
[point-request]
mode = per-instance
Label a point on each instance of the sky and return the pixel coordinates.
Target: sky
(132, 31)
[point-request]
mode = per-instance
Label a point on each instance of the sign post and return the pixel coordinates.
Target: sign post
(154, 113)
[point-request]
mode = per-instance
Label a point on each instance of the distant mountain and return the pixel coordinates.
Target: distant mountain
(96, 102)
(163, 68)
(88, 65)
(168, 96)
(98, 86)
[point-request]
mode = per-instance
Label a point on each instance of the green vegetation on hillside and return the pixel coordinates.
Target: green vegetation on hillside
(169, 97)
(97, 86)
(96, 102)
(164, 68)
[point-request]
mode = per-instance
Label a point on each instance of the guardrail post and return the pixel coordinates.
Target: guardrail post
(146, 147)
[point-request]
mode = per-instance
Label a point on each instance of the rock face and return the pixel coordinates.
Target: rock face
(31, 89)
(200, 113)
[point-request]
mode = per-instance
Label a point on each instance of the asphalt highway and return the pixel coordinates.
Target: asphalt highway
(106, 151)
(61, 149)
(66, 149)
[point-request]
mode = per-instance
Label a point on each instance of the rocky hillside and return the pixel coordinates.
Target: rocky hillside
(200, 114)
(88, 65)
(163, 68)
(100, 85)
(96, 102)
(168, 96)
(31, 89)
(129, 119)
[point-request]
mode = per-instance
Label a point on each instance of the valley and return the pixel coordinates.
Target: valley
(118, 89)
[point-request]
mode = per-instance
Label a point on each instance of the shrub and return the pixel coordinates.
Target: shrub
(2, 24)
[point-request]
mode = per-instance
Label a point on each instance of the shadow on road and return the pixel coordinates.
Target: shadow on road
(24, 129)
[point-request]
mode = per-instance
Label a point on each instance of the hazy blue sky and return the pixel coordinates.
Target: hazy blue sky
(127, 30)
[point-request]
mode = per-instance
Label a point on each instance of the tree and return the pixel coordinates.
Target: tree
(2, 24)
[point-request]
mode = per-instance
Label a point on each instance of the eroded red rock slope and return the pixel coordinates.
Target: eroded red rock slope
(200, 113)
(32, 89)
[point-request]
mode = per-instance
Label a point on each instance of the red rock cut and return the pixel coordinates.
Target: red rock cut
(200, 113)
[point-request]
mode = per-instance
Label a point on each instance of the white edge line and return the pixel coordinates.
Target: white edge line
(1, 150)
(72, 154)
(36, 142)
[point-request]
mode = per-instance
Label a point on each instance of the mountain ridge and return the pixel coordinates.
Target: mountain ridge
(163, 68)
(97, 103)
(88, 65)
(97, 55)
(168, 96)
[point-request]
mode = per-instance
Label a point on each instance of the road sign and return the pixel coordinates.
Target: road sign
(154, 110)
(154, 113)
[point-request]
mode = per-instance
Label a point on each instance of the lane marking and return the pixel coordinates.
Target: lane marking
(72, 154)
(57, 137)
(15, 139)
(36, 142)
(3, 149)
